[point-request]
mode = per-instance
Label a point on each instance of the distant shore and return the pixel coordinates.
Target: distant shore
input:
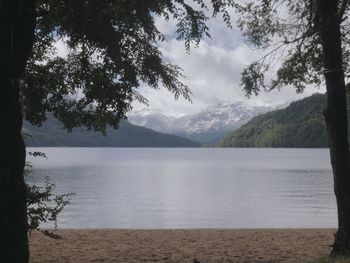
(205, 245)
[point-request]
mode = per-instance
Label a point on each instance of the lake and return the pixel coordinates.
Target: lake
(191, 187)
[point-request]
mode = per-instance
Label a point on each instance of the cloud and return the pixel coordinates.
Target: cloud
(213, 72)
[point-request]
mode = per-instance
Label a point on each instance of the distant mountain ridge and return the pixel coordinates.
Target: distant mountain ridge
(300, 125)
(155, 121)
(51, 134)
(207, 127)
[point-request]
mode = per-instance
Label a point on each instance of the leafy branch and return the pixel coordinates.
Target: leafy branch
(43, 205)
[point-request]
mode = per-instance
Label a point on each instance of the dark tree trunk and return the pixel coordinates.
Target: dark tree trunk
(17, 21)
(336, 119)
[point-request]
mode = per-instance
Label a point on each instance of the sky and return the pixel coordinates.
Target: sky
(212, 72)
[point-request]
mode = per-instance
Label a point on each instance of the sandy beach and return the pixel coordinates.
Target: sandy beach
(270, 245)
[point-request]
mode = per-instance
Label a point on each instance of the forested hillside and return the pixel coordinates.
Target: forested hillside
(299, 125)
(128, 135)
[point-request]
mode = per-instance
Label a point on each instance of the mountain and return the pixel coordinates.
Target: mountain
(155, 121)
(211, 124)
(128, 135)
(299, 125)
(206, 127)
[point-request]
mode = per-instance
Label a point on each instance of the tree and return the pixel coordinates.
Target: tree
(313, 39)
(112, 50)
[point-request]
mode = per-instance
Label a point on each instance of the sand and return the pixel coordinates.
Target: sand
(278, 245)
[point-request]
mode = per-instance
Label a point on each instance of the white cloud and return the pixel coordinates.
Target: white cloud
(61, 48)
(213, 72)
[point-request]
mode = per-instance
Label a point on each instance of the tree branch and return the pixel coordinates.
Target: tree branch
(288, 42)
(316, 18)
(342, 9)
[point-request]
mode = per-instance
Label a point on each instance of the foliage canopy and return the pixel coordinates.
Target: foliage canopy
(112, 50)
(289, 33)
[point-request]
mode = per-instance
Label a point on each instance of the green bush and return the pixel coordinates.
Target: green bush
(43, 205)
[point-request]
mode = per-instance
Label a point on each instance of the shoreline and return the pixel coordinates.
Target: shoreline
(182, 245)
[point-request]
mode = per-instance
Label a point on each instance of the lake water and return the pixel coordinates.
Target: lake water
(191, 187)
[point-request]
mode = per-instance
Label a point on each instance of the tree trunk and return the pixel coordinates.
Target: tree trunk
(17, 22)
(336, 119)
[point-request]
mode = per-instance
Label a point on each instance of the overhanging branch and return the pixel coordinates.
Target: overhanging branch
(342, 9)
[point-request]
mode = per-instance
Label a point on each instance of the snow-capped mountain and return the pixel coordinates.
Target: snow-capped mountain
(207, 127)
(155, 121)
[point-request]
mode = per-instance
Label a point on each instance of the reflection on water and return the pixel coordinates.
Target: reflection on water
(191, 188)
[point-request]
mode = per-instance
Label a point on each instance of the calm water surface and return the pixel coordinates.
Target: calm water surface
(191, 188)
